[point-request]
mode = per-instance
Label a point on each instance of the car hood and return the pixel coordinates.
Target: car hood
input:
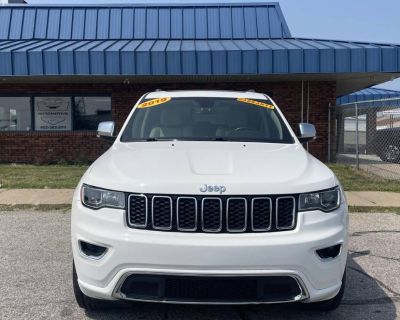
(183, 167)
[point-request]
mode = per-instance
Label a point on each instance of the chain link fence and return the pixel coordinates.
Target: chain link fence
(368, 136)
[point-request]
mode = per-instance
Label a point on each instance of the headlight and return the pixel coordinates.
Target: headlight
(324, 200)
(98, 198)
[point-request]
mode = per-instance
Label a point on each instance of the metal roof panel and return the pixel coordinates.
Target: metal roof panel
(128, 15)
(78, 24)
(66, 24)
(148, 21)
(213, 23)
(16, 24)
(53, 24)
(152, 23)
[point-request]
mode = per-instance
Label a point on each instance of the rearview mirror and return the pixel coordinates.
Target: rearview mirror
(106, 130)
(307, 132)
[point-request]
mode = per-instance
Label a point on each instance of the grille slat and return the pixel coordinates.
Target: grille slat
(162, 213)
(285, 213)
(261, 214)
(211, 214)
(236, 214)
(186, 214)
(218, 214)
(138, 213)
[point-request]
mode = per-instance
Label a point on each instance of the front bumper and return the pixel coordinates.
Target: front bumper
(133, 251)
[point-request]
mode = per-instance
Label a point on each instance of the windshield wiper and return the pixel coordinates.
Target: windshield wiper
(219, 139)
(158, 139)
(203, 139)
(186, 139)
(183, 139)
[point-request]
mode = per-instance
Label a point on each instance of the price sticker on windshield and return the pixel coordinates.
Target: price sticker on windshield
(153, 103)
(256, 103)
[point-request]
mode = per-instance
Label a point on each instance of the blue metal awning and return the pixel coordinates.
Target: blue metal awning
(194, 57)
(373, 97)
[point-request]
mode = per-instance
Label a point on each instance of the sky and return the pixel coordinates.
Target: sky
(359, 20)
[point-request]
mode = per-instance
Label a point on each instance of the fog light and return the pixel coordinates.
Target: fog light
(92, 250)
(329, 252)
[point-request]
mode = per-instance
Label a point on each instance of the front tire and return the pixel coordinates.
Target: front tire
(331, 304)
(85, 302)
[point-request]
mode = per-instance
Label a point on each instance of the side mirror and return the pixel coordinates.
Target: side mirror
(307, 132)
(106, 130)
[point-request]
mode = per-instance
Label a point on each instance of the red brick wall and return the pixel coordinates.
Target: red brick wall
(42, 147)
(52, 147)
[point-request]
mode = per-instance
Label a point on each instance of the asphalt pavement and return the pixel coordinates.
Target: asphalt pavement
(36, 262)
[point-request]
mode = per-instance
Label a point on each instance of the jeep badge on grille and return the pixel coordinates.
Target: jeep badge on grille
(210, 188)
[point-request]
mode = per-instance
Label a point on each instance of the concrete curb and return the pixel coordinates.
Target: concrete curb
(373, 199)
(36, 196)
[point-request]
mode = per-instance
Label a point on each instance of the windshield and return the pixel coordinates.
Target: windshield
(205, 119)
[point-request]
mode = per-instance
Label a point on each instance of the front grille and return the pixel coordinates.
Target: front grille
(286, 207)
(261, 214)
(186, 214)
(236, 214)
(211, 214)
(161, 212)
(211, 289)
(217, 214)
(138, 211)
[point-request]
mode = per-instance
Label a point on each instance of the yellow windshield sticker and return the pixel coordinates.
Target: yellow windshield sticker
(153, 103)
(256, 103)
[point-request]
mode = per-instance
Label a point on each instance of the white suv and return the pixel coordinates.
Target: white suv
(208, 197)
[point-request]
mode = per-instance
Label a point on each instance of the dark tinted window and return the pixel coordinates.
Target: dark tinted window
(197, 118)
(89, 111)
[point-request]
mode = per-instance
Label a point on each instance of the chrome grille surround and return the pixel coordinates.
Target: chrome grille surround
(253, 228)
(137, 225)
(153, 216)
(212, 213)
(179, 228)
(203, 201)
(229, 216)
(278, 214)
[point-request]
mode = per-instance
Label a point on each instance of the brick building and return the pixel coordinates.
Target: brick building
(63, 69)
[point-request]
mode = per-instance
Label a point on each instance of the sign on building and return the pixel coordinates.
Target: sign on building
(392, 112)
(53, 114)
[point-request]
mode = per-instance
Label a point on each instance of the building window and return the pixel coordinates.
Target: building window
(90, 111)
(53, 113)
(15, 114)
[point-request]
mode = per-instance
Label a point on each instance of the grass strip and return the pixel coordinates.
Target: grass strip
(360, 180)
(41, 207)
(375, 209)
(23, 176)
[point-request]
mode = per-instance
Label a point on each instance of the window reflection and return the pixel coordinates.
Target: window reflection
(89, 111)
(15, 114)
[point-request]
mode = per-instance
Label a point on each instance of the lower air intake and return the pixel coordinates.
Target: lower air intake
(211, 289)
